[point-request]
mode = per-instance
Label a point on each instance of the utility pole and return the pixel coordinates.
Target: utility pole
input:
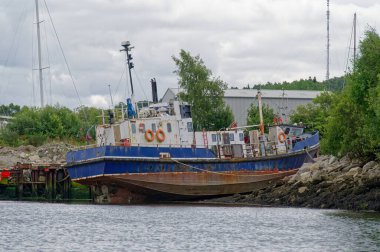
(39, 55)
(328, 41)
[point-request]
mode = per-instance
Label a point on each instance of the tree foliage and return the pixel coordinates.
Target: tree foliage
(333, 84)
(35, 125)
(314, 115)
(203, 92)
(253, 117)
(354, 123)
(9, 110)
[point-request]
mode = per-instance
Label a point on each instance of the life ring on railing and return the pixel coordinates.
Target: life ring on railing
(149, 135)
(281, 137)
(160, 135)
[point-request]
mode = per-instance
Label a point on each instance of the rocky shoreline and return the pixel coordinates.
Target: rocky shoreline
(327, 183)
(52, 153)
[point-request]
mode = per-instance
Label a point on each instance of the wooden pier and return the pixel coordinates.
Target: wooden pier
(42, 182)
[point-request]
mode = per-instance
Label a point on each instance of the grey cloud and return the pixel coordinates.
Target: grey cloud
(241, 41)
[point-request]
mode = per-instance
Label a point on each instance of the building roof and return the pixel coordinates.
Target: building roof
(266, 93)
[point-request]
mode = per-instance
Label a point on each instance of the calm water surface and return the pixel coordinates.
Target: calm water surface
(64, 227)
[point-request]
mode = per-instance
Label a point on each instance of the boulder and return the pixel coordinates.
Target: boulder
(332, 160)
(317, 177)
(353, 172)
(302, 189)
(34, 159)
(368, 166)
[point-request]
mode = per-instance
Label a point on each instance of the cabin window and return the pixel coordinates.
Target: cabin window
(153, 127)
(213, 137)
(169, 127)
(190, 127)
(241, 136)
(133, 127)
(232, 137)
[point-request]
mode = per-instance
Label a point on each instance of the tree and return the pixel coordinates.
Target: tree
(9, 110)
(203, 92)
(314, 115)
(253, 117)
(354, 123)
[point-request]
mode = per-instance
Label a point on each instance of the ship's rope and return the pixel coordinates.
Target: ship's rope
(214, 172)
(311, 158)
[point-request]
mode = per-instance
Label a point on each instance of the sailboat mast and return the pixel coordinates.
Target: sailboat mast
(354, 39)
(39, 55)
(328, 41)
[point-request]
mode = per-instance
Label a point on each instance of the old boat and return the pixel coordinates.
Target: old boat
(154, 154)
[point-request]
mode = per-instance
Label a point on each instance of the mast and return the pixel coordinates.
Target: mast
(354, 39)
(328, 41)
(127, 49)
(39, 55)
(261, 113)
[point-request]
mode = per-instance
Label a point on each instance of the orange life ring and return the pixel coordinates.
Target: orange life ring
(149, 135)
(281, 137)
(160, 135)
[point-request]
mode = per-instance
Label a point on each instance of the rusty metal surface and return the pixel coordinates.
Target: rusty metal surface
(186, 184)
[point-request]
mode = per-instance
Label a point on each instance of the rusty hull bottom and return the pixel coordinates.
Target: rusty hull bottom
(148, 187)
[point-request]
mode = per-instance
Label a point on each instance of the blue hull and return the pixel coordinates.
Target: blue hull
(119, 174)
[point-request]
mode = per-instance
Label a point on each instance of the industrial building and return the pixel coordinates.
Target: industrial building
(283, 102)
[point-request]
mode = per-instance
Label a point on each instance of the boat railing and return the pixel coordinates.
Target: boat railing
(268, 148)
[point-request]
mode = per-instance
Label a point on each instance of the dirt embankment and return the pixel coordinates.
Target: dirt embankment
(52, 153)
(327, 183)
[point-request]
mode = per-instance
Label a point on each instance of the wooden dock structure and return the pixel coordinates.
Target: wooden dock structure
(42, 182)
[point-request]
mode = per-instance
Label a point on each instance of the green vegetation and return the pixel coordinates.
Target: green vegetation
(334, 84)
(36, 126)
(314, 115)
(9, 110)
(350, 120)
(253, 117)
(203, 92)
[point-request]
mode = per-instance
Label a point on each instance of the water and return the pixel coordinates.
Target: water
(66, 227)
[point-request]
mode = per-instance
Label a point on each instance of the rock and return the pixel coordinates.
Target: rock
(332, 160)
(305, 177)
(353, 172)
(34, 159)
(315, 167)
(294, 178)
(302, 189)
(317, 177)
(368, 166)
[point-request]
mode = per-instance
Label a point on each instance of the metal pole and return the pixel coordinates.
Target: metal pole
(39, 55)
(109, 87)
(354, 40)
(129, 70)
(328, 41)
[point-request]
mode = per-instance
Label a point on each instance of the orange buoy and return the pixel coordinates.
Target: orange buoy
(160, 135)
(149, 135)
(281, 137)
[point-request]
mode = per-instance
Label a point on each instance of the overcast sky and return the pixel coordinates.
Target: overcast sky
(241, 41)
